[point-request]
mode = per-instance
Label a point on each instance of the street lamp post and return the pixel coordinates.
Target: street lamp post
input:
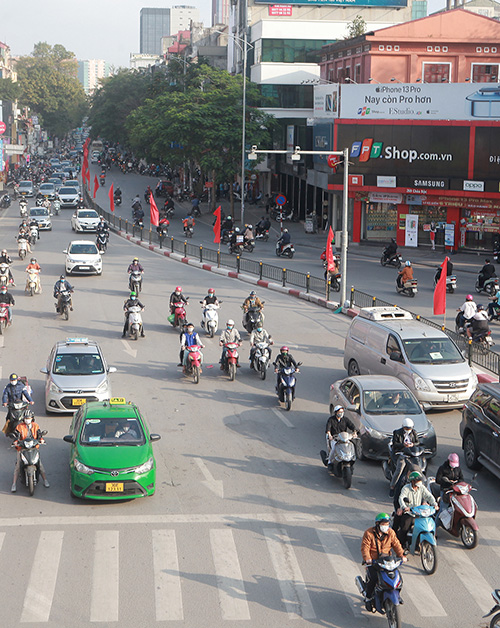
(244, 124)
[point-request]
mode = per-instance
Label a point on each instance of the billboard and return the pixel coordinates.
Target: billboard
(326, 101)
(487, 153)
(417, 101)
(350, 3)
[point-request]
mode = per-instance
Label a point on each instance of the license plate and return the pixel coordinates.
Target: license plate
(78, 402)
(453, 398)
(84, 267)
(114, 487)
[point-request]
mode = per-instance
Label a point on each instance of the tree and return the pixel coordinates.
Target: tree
(48, 84)
(9, 90)
(356, 28)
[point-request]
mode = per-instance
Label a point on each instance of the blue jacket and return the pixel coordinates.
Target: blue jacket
(15, 392)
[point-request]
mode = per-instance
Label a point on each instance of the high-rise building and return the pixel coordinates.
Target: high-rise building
(90, 71)
(181, 17)
(154, 24)
(221, 10)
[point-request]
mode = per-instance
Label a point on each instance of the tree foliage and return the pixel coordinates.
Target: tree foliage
(48, 84)
(356, 28)
(9, 90)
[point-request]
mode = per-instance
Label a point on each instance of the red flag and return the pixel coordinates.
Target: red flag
(111, 199)
(217, 214)
(440, 291)
(96, 185)
(330, 262)
(153, 211)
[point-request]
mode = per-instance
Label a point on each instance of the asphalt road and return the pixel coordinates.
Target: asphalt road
(246, 524)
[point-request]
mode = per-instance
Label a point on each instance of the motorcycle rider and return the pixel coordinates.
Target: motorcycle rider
(188, 339)
(24, 430)
(34, 265)
(24, 235)
(7, 299)
(479, 323)
(103, 227)
(134, 266)
(33, 223)
(494, 306)
(403, 438)
(284, 239)
(228, 336)
(284, 360)
(61, 286)
(177, 297)
(335, 424)
(188, 222)
(448, 474)
(405, 275)
(130, 302)
(467, 309)
(377, 541)
(416, 494)
(248, 233)
(449, 270)
(136, 203)
(390, 250)
(263, 225)
(259, 334)
(210, 299)
(226, 226)
(14, 392)
(5, 258)
(253, 301)
(117, 194)
(486, 272)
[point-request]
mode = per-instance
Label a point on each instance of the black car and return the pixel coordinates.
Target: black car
(480, 429)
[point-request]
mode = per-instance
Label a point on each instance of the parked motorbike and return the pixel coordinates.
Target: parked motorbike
(344, 457)
(66, 304)
(194, 362)
(451, 281)
(408, 288)
(30, 460)
(287, 250)
(210, 321)
(102, 242)
(393, 260)
(286, 385)
(459, 519)
(422, 537)
(135, 281)
(495, 620)
(491, 286)
(4, 274)
(261, 359)
(22, 248)
(134, 321)
(33, 281)
(252, 318)
(178, 317)
(230, 363)
(23, 208)
(387, 593)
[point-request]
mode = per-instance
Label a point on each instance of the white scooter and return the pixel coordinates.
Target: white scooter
(23, 208)
(22, 248)
(261, 359)
(210, 321)
(33, 281)
(134, 321)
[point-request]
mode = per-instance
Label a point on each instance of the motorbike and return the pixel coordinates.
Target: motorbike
(23, 208)
(286, 385)
(481, 338)
(230, 364)
(117, 199)
(422, 536)
(408, 288)
(4, 317)
(15, 414)
(237, 245)
(261, 359)
(4, 274)
(33, 234)
(33, 281)
(334, 280)
(194, 362)
(451, 281)
(22, 248)
(249, 245)
(252, 317)
(263, 235)
(5, 201)
(459, 519)
(495, 620)
(287, 250)
(138, 222)
(102, 242)
(30, 460)
(134, 321)
(416, 459)
(102, 179)
(210, 321)
(344, 457)
(226, 236)
(163, 229)
(135, 281)
(387, 592)
(188, 231)
(178, 316)
(491, 286)
(66, 304)
(394, 260)
(57, 207)
(39, 201)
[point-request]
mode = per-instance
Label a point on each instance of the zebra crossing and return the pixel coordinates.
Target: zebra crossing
(234, 570)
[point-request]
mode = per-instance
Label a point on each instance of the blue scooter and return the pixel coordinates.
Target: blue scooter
(387, 593)
(286, 385)
(423, 536)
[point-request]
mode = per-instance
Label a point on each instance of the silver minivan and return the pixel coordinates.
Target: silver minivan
(389, 341)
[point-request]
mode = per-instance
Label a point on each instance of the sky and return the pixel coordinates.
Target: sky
(92, 29)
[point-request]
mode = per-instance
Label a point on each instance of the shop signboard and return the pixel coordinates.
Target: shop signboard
(386, 182)
(355, 3)
(290, 146)
(487, 153)
(411, 230)
(449, 234)
(322, 140)
(420, 101)
(381, 197)
(474, 186)
(326, 99)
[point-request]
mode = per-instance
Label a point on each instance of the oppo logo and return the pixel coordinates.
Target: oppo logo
(474, 186)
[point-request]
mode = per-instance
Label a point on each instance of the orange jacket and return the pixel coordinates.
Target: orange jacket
(31, 266)
(22, 430)
(406, 273)
(374, 544)
(188, 222)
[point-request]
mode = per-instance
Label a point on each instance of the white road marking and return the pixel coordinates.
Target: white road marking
(2, 341)
(2, 538)
(293, 589)
(168, 594)
(343, 564)
(418, 588)
(42, 582)
(232, 594)
(282, 417)
(216, 486)
(104, 602)
(128, 349)
(470, 576)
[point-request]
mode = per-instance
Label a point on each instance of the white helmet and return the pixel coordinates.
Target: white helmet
(408, 423)
(339, 407)
(408, 263)
(230, 322)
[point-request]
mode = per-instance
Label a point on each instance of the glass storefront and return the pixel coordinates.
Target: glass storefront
(379, 221)
(483, 227)
(428, 214)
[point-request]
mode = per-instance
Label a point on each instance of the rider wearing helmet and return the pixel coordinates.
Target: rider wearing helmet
(28, 427)
(248, 233)
(284, 359)
(259, 334)
(479, 323)
(253, 301)
(467, 311)
(263, 225)
(377, 541)
(226, 226)
(403, 439)
(61, 286)
(35, 266)
(5, 258)
(7, 299)
(405, 275)
(130, 302)
(337, 423)
(210, 299)
(412, 494)
(177, 297)
(390, 250)
(228, 336)
(284, 239)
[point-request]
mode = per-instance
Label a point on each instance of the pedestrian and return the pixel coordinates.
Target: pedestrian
(432, 234)
(268, 203)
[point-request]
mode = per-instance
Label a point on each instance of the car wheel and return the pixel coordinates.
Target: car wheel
(471, 453)
(353, 368)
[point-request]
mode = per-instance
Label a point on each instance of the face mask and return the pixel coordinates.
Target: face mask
(133, 298)
(418, 485)
(340, 415)
(384, 528)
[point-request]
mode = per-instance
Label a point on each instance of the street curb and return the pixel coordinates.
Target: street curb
(298, 294)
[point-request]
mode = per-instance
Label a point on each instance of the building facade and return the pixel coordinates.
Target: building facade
(154, 24)
(90, 71)
(181, 17)
(221, 10)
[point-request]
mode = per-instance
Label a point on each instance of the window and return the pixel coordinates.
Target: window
(287, 96)
(354, 395)
(292, 50)
(392, 345)
(485, 73)
(345, 388)
(357, 73)
(436, 72)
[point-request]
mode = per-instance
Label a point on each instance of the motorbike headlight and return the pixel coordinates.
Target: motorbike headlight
(54, 388)
(82, 468)
(144, 468)
(420, 384)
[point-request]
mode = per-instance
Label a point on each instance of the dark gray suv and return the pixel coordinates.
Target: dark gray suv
(480, 429)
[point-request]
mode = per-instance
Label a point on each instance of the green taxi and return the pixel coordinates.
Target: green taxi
(111, 452)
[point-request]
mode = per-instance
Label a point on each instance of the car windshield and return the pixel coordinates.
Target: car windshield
(390, 402)
(39, 211)
(432, 351)
(73, 183)
(26, 184)
(68, 191)
(83, 249)
(47, 186)
(78, 364)
(111, 431)
(89, 213)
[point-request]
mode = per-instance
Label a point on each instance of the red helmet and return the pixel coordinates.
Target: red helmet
(178, 289)
(284, 349)
(211, 291)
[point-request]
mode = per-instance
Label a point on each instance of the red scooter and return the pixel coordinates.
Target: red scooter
(231, 359)
(459, 519)
(4, 317)
(179, 314)
(193, 362)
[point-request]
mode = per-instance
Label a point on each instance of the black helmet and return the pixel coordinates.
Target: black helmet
(62, 277)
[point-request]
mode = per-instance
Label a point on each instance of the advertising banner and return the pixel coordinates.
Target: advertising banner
(355, 3)
(449, 234)
(411, 230)
(487, 153)
(326, 98)
(290, 133)
(420, 101)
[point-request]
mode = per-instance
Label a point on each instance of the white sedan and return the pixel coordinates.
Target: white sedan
(83, 257)
(84, 220)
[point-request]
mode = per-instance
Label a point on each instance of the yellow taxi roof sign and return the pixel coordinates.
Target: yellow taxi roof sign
(117, 401)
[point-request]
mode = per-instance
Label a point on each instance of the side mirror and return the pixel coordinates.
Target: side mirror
(153, 437)
(65, 251)
(44, 370)
(112, 369)
(68, 439)
(44, 432)
(396, 356)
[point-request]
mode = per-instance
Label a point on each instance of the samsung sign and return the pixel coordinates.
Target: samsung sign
(473, 186)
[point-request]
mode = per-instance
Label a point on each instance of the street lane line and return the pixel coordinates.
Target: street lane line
(232, 594)
(293, 589)
(128, 349)
(343, 564)
(469, 574)
(168, 594)
(418, 588)
(2, 538)
(42, 582)
(282, 417)
(104, 601)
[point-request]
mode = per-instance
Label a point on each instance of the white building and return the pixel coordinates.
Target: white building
(141, 60)
(90, 71)
(181, 17)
